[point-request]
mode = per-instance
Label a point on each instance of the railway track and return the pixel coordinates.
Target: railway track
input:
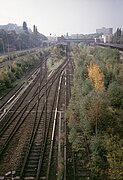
(76, 162)
(26, 78)
(21, 107)
(38, 111)
(80, 164)
(44, 154)
(14, 120)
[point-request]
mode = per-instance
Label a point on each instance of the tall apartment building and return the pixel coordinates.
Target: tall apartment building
(105, 31)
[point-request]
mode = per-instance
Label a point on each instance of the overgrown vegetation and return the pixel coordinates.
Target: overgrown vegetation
(57, 56)
(19, 66)
(97, 107)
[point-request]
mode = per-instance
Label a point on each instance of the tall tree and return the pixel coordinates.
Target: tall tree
(25, 28)
(118, 32)
(96, 76)
(34, 28)
(117, 35)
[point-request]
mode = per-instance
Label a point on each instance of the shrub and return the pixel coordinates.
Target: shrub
(115, 93)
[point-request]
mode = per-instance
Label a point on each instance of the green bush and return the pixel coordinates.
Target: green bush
(21, 65)
(99, 162)
(115, 92)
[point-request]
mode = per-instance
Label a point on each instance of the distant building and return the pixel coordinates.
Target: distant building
(61, 39)
(104, 39)
(76, 36)
(97, 40)
(107, 38)
(122, 32)
(105, 31)
(52, 38)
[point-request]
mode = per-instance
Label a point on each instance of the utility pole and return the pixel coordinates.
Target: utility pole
(59, 147)
(3, 46)
(50, 39)
(45, 92)
(8, 52)
(20, 45)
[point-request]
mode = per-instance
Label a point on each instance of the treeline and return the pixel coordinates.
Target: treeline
(11, 40)
(117, 37)
(97, 106)
(19, 66)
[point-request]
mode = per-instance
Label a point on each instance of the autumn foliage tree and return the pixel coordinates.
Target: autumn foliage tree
(96, 76)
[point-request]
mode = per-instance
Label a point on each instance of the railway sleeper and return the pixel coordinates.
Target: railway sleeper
(33, 158)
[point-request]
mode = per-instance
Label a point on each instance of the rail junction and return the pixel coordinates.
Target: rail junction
(33, 125)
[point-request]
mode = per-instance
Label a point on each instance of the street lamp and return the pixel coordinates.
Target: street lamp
(55, 38)
(50, 38)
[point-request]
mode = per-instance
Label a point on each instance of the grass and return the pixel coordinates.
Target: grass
(52, 66)
(3, 58)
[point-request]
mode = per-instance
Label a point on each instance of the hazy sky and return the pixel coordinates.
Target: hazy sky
(62, 16)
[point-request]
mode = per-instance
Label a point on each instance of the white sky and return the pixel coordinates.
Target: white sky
(61, 16)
